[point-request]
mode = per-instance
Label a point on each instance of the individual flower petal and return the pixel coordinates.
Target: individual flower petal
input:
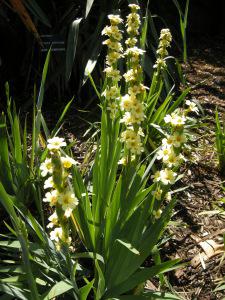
(68, 212)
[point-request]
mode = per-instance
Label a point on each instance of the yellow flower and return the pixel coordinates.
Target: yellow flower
(124, 160)
(68, 162)
(172, 160)
(178, 121)
(135, 147)
(192, 106)
(130, 75)
(127, 118)
(136, 89)
(167, 176)
(164, 153)
(168, 196)
(113, 108)
(165, 35)
(134, 51)
(178, 139)
(49, 183)
(127, 102)
(128, 134)
(160, 63)
(113, 45)
(168, 142)
(133, 23)
(56, 234)
(138, 108)
(46, 167)
(157, 213)
(134, 7)
(157, 193)
(115, 19)
(68, 200)
(112, 73)
(112, 93)
(51, 197)
(175, 119)
(113, 57)
(131, 42)
(132, 141)
(133, 20)
(156, 177)
(162, 52)
(112, 32)
(56, 143)
(134, 115)
(133, 74)
(53, 220)
(137, 118)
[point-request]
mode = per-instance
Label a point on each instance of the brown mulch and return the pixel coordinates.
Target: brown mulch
(198, 224)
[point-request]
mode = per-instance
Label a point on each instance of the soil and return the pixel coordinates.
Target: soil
(198, 224)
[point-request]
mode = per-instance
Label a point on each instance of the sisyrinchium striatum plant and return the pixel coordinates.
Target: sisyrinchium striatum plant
(114, 214)
(121, 208)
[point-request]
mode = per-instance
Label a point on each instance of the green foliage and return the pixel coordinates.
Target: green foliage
(183, 25)
(43, 272)
(115, 220)
(220, 143)
(79, 25)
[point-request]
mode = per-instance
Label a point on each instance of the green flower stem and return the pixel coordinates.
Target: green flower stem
(57, 173)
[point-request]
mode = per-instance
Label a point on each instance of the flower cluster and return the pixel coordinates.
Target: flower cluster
(131, 104)
(59, 192)
(115, 51)
(132, 141)
(170, 152)
(164, 42)
(133, 24)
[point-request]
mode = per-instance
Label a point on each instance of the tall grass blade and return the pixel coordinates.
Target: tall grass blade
(88, 7)
(36, 10)
(40, 101)
(71, 46)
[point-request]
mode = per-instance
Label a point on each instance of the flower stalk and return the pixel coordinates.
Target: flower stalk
(115, 49)
(170, 155)
(60, 195)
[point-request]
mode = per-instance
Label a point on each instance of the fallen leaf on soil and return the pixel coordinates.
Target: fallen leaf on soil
(150, 286)
(195, 238)
(211, 249)
(179, 273)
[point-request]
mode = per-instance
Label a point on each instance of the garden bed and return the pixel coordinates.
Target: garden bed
(198, 220)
